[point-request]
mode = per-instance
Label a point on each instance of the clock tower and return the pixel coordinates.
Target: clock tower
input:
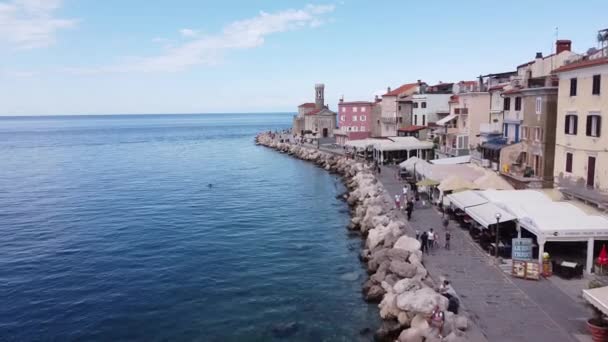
(319, 95)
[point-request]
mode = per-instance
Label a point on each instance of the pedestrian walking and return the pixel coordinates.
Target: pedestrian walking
(431, 238)
(448, 236)
(397, 201)
(424, 241)
(409, 207)
(405, 191)
(417, 234)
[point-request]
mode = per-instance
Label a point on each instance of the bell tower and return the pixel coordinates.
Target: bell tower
(319, 95)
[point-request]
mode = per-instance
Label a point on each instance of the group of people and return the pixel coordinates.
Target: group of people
(429, 240)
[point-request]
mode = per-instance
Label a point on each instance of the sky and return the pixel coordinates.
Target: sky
(195, 56)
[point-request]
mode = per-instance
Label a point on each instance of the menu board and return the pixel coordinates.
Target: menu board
(521, 248)
(532, 270)
(526, 269)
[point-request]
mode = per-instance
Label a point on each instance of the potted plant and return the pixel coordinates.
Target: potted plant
(598, 326)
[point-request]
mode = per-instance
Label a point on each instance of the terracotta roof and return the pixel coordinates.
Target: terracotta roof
(313, 112)
(401, 89)
(412, 128)
(356, 103)
(307, 105)
(497, 87)
(512, 91)
(582, 64)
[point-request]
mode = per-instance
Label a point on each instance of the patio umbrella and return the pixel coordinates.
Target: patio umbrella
(602, 259)
(427, 182)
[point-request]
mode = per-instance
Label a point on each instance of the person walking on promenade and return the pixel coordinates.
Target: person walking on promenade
(409, 207)
(417, 234)
(448, 236)
(398, 201)
(424, 242)
(431, 239)
(405, 192)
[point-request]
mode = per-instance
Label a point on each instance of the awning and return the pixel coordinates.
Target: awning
(455, 182)
(445, 120)
(485, 214)
(598, 297)
(466, 199)
(451, 161)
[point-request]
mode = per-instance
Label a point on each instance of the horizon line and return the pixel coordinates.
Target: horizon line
(135, 114)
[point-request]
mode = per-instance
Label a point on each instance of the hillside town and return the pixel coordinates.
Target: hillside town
(501, 155)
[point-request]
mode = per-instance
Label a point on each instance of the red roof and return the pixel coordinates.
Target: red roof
(313, 112)
(512, 91)
(307, 105)
(412, 128)
(401, 89)
(497, 87)
(582, 64)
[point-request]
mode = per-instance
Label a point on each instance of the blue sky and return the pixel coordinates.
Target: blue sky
(193, 56)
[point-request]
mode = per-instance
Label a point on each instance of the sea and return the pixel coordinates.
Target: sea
(171, 228)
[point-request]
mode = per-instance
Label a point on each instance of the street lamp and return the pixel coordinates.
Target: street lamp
(498, 216)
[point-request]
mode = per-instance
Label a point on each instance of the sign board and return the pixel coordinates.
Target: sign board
(526, 269)
(521, 249)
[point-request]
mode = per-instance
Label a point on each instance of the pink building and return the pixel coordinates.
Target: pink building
(354, 121)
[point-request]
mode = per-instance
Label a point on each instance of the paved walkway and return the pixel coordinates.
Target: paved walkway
(503, 307)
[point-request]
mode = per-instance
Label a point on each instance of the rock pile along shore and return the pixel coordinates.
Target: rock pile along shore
(398, 280)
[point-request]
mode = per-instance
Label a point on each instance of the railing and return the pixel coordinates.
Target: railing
(454, 151)
(489, 128)
(513, 117)
(388, 120)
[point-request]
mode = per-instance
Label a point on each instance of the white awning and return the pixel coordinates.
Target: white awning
(445, 120)
(452, 160)
(485, 214)
(403, 144)
(466, 199)
(598, 297)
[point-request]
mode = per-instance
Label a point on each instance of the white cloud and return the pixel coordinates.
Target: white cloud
(208, 49)
(27, 24)
(186, 32)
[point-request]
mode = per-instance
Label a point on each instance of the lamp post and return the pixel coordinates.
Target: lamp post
(498, 216)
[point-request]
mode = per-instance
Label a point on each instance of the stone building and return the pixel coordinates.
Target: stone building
(315, 118)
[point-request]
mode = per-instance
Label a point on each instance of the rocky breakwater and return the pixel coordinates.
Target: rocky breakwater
(398, 280)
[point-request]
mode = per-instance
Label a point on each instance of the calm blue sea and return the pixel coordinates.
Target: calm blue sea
(109, 231)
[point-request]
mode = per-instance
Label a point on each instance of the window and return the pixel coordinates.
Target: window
(415, 104)
(597, 79)
(343, 109)
(507, 103)
(354, 118)
(423, 104)
(400, 120)
(362, 118)
(355, 128)
(539, 103)
(573, 87)
(355, 109)
(464, 110)
(415, 119)
(571, 124)
(568, 162)
(518, 103)
(378, 122)
(594, 123)
(342, 117)
(524, 133)
(362, 109)
(399, 108)
(538, 134)
(423, 119)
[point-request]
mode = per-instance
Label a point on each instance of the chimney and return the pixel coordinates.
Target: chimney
(342, 99)
(539, 55)
(563, 45)
(388, 89)
(377, 99)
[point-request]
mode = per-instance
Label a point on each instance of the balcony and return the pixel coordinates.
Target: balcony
(388, 120)
(514, 117)
(454, 151)
(490, 128)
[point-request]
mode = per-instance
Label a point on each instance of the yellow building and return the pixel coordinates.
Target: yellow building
(581, 151)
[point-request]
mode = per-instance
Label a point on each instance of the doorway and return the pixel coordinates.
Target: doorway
(591, 172)
(324, 132)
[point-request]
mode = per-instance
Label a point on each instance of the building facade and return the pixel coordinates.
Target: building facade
(389, 120)
(581, 144)
(354, 120)
(315, 118)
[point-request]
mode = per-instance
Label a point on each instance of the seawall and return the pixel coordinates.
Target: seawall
(398, 280)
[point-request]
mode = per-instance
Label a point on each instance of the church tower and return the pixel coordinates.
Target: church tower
(319, 95)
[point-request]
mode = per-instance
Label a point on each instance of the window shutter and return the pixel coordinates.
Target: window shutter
(567, 128)
(575, 124)
(599, 125)
(568, 162)
(588, 131)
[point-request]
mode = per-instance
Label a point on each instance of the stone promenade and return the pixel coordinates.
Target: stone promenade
(503, 308)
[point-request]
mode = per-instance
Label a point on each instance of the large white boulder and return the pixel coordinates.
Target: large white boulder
(405, 285)
(407, 243)
(376, 236)
(403, 269)
(422, 301)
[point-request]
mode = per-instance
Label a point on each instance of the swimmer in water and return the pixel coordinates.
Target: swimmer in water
(210, 185)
